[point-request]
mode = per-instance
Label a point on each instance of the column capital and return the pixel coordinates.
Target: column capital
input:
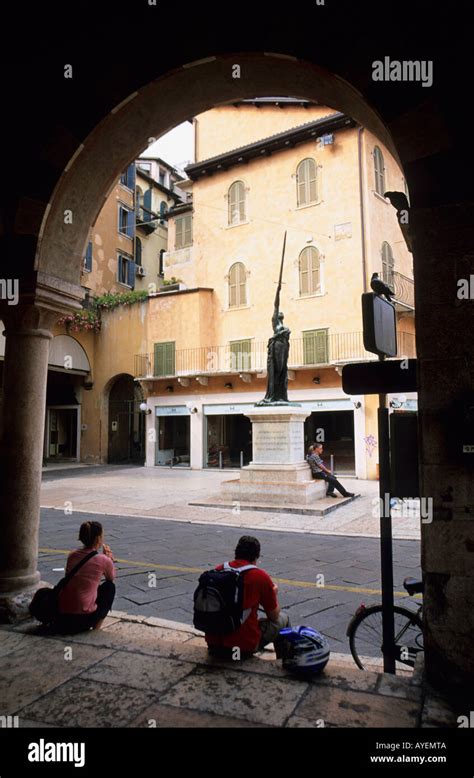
(28, 320)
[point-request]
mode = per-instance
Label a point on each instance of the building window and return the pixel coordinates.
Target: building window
(306, 182)
(161, 176)
(146, 166)
(379, 169)
(184, 232)
(161, 263)
(165, 359)
(126, 270)
(236, 201)
(163, 212)
(310, 271)
(240, 355)
(315, 347)
(237, 285)
(138, 251)
(87, 266)
(126, 222)
(387, 263)
(128, 177)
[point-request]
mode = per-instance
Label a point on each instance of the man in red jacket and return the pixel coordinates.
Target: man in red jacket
(259, 590)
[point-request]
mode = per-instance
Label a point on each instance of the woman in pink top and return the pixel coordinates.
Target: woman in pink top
(84, 602)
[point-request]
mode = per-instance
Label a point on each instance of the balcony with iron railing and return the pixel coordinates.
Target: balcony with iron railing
(336, 349)
(147, 220)
(404, 290)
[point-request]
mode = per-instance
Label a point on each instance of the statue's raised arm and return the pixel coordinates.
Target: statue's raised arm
(276, 307)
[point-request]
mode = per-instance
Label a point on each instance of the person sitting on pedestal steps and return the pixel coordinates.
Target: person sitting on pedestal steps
(85, 602)
(319, 470)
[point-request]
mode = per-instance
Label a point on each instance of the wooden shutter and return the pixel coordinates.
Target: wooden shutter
(236, 208)
(315, 347)
(387, 263)
(147, 205)
(130, 177)
(164, 359)
(379, 171)
(241, 351)
(315, 284)
(306, 176)
(131, 272)
(233, 286)
(242, 285)
(312, 181)
(138, 251)
(304, 274)
(88, 257)
(131, 224)
(188, 235)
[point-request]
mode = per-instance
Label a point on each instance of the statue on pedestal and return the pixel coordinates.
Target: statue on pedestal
(277, 350)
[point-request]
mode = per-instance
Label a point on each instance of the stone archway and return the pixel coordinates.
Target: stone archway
(437, 232)
(125, 422)
(187, 91)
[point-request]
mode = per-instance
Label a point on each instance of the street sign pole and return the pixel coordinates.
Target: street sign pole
(386, 556)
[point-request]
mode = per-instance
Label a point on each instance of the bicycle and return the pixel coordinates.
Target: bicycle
(366, 636)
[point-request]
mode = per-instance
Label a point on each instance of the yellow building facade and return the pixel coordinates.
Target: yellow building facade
(264, 169)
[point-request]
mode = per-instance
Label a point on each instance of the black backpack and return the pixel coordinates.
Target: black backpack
(44, 606)
(218, 600)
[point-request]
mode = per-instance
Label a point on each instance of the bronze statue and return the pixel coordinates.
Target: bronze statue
(277, 351)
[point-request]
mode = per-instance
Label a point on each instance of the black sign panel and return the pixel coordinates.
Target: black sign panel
(379, 324)
(396, 375)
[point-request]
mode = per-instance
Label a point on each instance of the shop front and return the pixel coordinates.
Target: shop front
(227, 436)
(173, 436)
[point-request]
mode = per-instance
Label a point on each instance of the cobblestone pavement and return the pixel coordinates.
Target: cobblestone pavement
(322, 578)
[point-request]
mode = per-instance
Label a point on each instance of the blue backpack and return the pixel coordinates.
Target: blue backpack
(218, 600)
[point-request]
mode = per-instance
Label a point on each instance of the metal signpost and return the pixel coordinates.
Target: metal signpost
(380, 337)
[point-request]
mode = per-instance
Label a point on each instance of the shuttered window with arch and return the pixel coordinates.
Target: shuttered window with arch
(306, 182)
(237, 203)
(387, 263)
(379, 170)
(237, 285)
(309, 271)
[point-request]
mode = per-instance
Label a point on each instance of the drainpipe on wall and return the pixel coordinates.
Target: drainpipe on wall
(361, 194)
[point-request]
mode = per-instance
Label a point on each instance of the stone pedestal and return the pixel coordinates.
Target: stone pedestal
(278, 473)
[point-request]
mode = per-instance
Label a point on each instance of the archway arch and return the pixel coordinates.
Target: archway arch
(126, 131)
(125, 421)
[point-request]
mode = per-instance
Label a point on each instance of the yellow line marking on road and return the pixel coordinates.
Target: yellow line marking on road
(289, 582)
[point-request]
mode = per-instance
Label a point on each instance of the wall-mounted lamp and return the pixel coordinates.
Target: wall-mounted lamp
(357, 404)
(191, 408)
(316, 380)
(169, 389)
(144, 409)
(228, 386)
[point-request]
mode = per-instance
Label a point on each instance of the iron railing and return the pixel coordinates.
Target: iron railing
(338, 348)
(404, 288)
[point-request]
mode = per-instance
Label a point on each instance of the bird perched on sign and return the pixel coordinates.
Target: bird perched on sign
(379, 287)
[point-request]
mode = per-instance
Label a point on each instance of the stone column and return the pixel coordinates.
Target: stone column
(21, 452)
(443, 255)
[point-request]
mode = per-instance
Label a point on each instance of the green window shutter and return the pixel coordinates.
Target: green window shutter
(241, 354)
(164, 359)
(315, 347)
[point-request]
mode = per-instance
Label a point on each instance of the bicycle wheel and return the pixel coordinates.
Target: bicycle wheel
(366, 637)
